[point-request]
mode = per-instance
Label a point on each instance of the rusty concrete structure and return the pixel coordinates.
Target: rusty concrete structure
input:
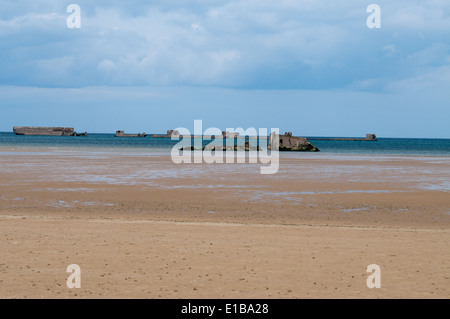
(369, 137)
(283, 143)
(245, 147)
(122, 134)
(226, 134)
(46, 131)
(289, 143)
(169, 134)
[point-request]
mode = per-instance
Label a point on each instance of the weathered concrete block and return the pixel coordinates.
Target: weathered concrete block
(46, 131)
(287, 143)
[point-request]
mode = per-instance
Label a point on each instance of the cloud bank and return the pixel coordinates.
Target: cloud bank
(244, 44)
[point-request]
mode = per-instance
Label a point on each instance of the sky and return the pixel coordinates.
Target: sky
(311, 67)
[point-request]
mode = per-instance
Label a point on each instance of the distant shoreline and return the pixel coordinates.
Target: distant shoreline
(312, 137)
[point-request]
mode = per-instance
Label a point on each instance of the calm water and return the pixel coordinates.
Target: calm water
(384, 146)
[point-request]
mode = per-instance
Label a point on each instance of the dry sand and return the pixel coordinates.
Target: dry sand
(140, 226)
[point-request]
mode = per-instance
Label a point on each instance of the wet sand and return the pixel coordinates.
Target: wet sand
(140, 226)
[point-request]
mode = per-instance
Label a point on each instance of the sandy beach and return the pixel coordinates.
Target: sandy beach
(140, 226)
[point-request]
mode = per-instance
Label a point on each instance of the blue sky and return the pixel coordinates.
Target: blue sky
(312, 67)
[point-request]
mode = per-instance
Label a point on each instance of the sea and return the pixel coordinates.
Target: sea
(96, 141)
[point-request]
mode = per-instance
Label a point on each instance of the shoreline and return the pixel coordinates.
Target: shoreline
(141, 226)
(166, 151)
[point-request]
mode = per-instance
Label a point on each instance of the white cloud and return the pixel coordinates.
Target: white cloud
(389, 50)
(422, 16)
(432, 80)
(196, 27)
(56, 69)
(107, 65)
(319, 43)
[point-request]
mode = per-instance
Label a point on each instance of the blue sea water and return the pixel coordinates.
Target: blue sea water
(387, 146)
(384, 146)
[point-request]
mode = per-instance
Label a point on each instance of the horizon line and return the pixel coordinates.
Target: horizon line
(307, 136)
